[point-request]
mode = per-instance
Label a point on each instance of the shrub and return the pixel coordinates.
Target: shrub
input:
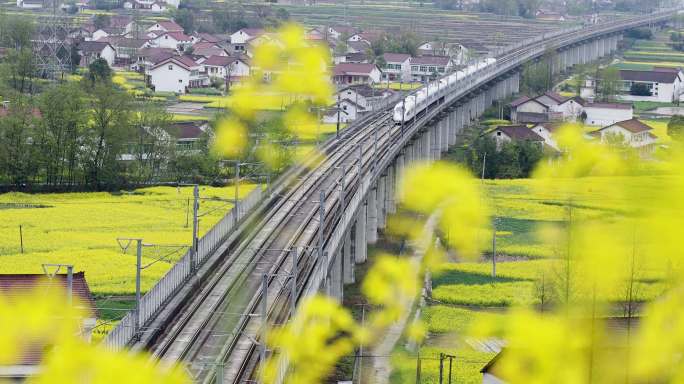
(639, 89)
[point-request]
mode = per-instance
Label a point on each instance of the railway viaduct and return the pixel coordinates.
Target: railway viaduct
(306, 233)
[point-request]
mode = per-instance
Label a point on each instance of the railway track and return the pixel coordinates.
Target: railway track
(219, 327)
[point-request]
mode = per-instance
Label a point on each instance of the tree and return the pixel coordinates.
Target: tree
(19, 69)
(675, 128)
(154, 142)
(64, 118)
(639, 89)
(99, 71)
(282, 14)
(185, 18)
(107, 132)
(17, 151)
(101, 20)
(609, 84)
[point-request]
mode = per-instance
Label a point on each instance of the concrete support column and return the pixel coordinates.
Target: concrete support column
(347, 260)
(434, 142)
(372, 217)
(391, 190)
(360, 250)
(381, 199)
(336, 287)
(426, 139)
(445, 135)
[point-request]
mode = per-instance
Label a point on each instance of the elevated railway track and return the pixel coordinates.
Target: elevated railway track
(291, 245)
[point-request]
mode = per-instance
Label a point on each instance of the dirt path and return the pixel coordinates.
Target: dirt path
(380, 367)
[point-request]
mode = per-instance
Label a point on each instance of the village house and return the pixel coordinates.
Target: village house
(227, 68)
(348, 111)
(165, 26)
(127, 49)
(177, 74)
(147, 57)
(659, 84)
(358, 46)
(239, 39)
(363, 95)
(176, 40)
(189, 134)
(603, 114)
(339, 31)
(545, 107)
(508, 133)
(397, 67)
(30, 4)
(367, 37)
(429, 67)
(631, 132)
(13, 286)
(208, 49)
(546, 131)
(356, 73)
(430, 48)
(151, 5)
(93, 50)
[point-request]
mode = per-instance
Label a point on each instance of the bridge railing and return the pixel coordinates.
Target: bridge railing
(180, 273)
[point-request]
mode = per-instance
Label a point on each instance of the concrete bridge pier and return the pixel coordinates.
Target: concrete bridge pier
(434, 142)
(425, 155)
(347, 259)
(360, 250)
(381, 200)
(372, 217)
(391, 189)
(444, 141)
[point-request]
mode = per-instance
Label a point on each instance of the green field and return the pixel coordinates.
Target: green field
(465, 293)
(82, 228)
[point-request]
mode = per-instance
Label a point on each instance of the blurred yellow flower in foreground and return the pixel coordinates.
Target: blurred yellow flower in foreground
(43, 321)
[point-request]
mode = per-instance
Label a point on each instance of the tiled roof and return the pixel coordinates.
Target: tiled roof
(208, 37)
(179, 36)
(532, 117)
(633, 125)
(659, 76)
(551, 126)
(519, 132)
(609, 105)
(189, 129)
(430, 60)
(93, 46)
(22, 284)
(353, 68)
(364, 90)
(252, 31)
(359, 45)
(396, 57)
(183, 61)
(170, 26)
(220, 61)
(520, 100)
(555, 97)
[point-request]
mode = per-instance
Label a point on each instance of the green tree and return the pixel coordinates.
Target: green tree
(107, 132)
(185, 18)
(99, 72)
(101, 20)
(17, 151)
(19, 70)
(609, 84)
(639, 89)
(154, 142)
(64, 117)
(675, 128)
(282, 14)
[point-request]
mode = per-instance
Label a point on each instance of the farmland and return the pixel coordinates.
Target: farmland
(465, 292)
(82, 228)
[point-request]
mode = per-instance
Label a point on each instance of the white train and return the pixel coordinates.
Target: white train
(434, 91)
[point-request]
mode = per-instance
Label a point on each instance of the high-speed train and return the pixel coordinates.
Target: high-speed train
(434, 91)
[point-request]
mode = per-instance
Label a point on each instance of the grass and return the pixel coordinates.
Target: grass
(399, 86)
(81, 229)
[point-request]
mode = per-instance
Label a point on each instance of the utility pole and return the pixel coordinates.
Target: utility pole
(195, 228)
(21, 239)
(339, 111)
(494, 248)
(264, 310)
(70, 278)
(321, 218)
(403, 115)
(293, 279)
(237, 190)
(138, 270)
(484, 163)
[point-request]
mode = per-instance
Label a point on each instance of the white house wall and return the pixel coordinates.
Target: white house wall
(606, 116)
(170, 80)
